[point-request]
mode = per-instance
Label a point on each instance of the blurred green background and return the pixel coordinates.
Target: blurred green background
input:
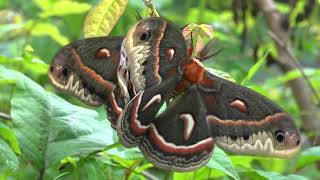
(31, 32)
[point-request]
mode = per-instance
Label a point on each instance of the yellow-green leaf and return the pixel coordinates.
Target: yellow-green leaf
(8, 135)
(103, 17)
(63, 8)
(199, 35)
(221, 74)
(47, 29)
(254, 69)
(43, 5)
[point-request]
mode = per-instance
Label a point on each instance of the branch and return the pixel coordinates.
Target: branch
(280, 35)
(285, 48)
(148, 175)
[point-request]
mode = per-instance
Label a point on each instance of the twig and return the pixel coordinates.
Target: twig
(148, 175)
(5, 116)
(300, 90)
(145, 173)
(150, 5)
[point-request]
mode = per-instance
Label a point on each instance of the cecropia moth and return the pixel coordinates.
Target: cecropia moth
(136, 74)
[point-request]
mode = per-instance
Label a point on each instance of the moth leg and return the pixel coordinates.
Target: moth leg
(113, 108)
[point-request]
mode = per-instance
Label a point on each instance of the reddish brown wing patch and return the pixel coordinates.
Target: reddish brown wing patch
(156, 52)
(259, 122)
(104, 83)
(116, 109)
(193, 71)
(135, 124)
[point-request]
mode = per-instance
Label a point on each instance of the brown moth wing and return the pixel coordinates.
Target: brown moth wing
(87, 69)
(245, 122)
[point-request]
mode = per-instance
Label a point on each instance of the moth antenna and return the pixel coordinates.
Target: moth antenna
(190, 49)
(204, 53)
(183, 27)
(191, 39)
(210, 55)
(138, 16)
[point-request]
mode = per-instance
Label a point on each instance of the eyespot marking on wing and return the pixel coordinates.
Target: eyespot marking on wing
(239, 105)
(170, 53)
(156, 98)
(189, 124)
(103, 53)
(271, 142)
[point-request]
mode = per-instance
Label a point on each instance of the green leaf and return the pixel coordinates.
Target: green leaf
(29, 64)
(102, 18)
(299, 8)
(184, 176)
(254, 69)
(89, 168)
(42, 4)
(220, 74)
(64, 8)
(8, 160)
(47, 29)
(49, 128)
(293, 74)
(220, 161)
(8, 135)
(308, 157)
(126, 153)
(7, 81)
(259, 174)
(199, 34)
(6, 87)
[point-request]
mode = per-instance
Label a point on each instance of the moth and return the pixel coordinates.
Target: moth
(152, 66)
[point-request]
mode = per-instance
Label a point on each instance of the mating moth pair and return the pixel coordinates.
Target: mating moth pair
(134, 75)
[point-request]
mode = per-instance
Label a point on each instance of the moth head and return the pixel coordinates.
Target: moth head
(154, 46)
(285, 135)
(66, 74)
(274, 136)
(62, 68)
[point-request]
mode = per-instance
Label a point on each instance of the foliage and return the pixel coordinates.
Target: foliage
(103, 16)
(60, 138)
